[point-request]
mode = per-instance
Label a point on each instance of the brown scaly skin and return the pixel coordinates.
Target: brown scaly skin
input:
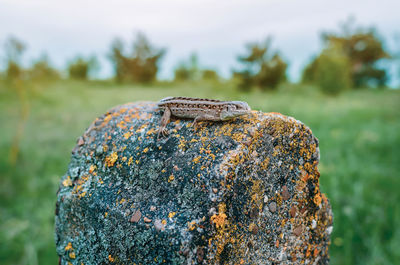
(200, 110)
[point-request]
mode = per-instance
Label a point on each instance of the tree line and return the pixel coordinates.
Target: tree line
(350, 58)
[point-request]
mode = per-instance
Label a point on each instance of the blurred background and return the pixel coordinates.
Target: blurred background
(334, 65)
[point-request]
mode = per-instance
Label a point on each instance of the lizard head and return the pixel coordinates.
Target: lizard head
(235, 109)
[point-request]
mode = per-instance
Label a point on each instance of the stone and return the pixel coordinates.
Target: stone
(136, 216)
(146, 220)
(292, 211)
(285, 193)
(244, 191)
(272, 207)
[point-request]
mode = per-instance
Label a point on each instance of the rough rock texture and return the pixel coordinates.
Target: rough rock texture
(244, 191)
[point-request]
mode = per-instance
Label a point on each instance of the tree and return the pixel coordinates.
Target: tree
(333, 72)
(141, 65)
(14, 48)
(272, 72)
(210, 74)
(396, 55)
(188, 71)
(262, 67)
(364, 50)
(117, 58)
(81, 68)
(42, 70)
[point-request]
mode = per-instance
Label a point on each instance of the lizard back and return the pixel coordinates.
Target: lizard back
(186, 107)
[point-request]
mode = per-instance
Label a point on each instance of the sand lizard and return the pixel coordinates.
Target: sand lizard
(199, 110)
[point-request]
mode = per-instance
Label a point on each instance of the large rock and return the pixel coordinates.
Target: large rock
(239, 192)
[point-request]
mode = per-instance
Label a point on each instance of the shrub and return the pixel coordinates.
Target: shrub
(14, 48)
(209, 74)
(182, 73)
(42, 70)
(13, 71)
(141, 65)
(363, 49)
(262, 67)
(188, 70)
(80, 68)
(332, 72)
(272, 73)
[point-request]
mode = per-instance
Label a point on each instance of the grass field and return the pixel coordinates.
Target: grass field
(359, 133)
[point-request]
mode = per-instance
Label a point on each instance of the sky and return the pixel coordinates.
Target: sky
(217, 31)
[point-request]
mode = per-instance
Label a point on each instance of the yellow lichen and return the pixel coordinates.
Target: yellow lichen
(127, 135)
(171, 214)
(67, 182)
(92, 168)
(68, 247)
(317, 199)
(151, 131)
(171, 178)
(192, 225)
(196, 159)
(252, 227)
(256, 194)
(219, 219)
(111, 159)
(265, 163)
(182, 143)
(212, 156)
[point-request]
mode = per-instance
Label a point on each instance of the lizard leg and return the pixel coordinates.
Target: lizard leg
(163, 124)
(204, 117)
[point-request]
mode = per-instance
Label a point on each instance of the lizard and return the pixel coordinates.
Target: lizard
(199, 109)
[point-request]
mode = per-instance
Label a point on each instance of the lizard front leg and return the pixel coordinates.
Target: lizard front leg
(164, 121)
(204, 117)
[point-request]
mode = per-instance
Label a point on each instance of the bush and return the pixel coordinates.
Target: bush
(365, 51)
(80, 68)
(272, 73)
(13, 71)
(14, 48)
(188, 70)
(42, 70)
(308, 76)
(141, 65)
(262, 68)
(209, 74)
(332, 72)
(182, 73)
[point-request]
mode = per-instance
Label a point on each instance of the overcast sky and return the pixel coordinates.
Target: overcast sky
(216, 30)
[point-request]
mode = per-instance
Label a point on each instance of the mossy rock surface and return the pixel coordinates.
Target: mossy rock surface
(244, 191)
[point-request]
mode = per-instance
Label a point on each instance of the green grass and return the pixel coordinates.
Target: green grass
(359, 133)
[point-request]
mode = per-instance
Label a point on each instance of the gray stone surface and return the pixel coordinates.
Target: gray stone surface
(239, 192)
